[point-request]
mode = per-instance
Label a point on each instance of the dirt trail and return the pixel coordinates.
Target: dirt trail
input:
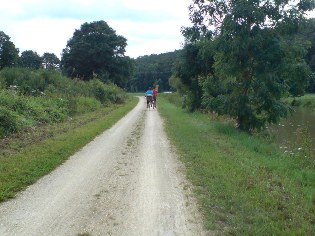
(125, 182)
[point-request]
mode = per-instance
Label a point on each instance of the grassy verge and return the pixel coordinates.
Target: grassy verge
(307, 101)
(245, 186)
(23, 168)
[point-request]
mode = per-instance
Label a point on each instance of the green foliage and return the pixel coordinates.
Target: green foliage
(50, 61)
(196, 60)
(30, 59)
(245, 185)
(29, 81)
(3, 38)
(52, 83)
(9, 55)
(87, 104)
(153, 70)
(257, 61)
(307, 32)
(20, 112)
(96, 49)
(8, 121)
(307, 101)
(30, 98)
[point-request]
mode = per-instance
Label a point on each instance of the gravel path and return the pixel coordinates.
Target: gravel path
(125, 182)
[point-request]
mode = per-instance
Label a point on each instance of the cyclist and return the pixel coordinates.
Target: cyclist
(155, 92)
(149, 96)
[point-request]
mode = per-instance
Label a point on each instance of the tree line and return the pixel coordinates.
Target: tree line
(152, 70)
(9, 56)
(242, 57)
(239, 58)
(94, 51)
(36, 90)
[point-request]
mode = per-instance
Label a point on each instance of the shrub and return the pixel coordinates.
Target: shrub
(85, 104)
(9, 122)
(29, 98)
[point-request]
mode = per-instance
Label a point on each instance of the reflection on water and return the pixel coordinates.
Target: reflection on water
(288, 132)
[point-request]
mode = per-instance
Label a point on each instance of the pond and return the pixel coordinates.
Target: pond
(295, 132)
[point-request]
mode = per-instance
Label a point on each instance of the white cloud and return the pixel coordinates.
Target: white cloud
(311, 14)
(46, 26)
(43, 35)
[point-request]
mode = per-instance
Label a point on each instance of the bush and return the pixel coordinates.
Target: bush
(85, 104)
(9, 122)
(29, 98)
(107, 92)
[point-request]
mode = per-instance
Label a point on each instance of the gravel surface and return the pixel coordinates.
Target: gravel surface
(127, 181)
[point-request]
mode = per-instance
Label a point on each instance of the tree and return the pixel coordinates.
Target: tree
(196, 60)
(30, 59)
(152, 70)
(50, 61)
(123, 68)
(3, 38)
(308, 32)
(95, 50)
(258, 56)
(9, 55)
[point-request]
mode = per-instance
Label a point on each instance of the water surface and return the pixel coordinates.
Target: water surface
(291, 132)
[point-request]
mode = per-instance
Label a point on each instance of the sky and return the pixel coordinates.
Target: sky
(150, 27)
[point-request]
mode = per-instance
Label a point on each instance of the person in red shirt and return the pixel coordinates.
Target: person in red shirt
(155, 92)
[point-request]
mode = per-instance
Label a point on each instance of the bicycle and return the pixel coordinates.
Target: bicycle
(150, 102)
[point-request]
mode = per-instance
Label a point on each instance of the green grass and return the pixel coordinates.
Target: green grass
(245, 185)
(25, 167)
(306, 101)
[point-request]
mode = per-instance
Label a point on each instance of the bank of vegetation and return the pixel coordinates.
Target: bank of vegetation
(307, 101)
(245, 184)
(30, 98)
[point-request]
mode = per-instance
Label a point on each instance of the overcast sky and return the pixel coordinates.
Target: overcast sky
(46, 25)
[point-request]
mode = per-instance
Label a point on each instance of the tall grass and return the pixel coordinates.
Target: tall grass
(307, 101)
(245, 185)
(30, 98)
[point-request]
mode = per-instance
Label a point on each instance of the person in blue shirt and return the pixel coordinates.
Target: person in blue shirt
(149, 96)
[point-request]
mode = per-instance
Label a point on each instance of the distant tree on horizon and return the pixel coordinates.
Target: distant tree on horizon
(50, 61)
(30, 59)
(9, 54)
(96, 50)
